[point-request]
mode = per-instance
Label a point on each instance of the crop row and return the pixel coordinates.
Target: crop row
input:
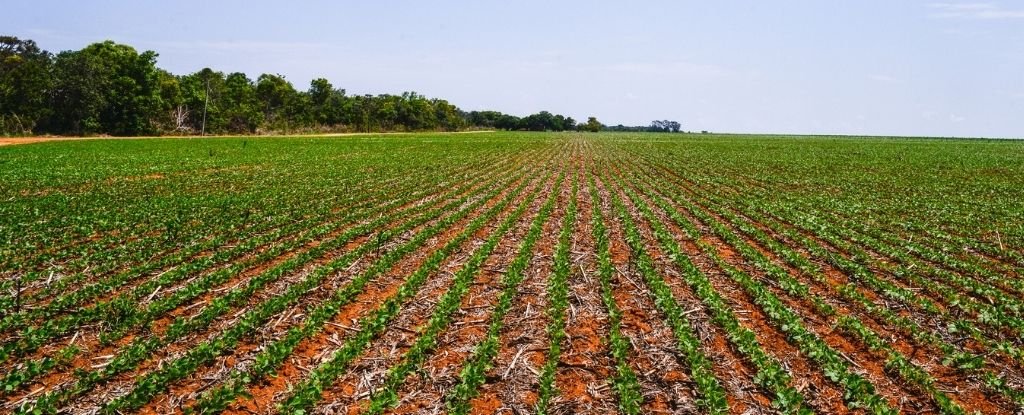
(712, 394)
(211, 237)
(770, 373)
(482, 358)
(309, 391)
(558, 301)
(895, 361)
(128, 317)
(181, 326)
(275, 354)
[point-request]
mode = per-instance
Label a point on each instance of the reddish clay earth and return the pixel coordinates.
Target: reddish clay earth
(192, 355)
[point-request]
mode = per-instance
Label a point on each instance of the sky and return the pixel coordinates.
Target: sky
(878, 67)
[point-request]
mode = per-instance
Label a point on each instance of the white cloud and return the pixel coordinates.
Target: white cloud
(985, 11)
(956, 118)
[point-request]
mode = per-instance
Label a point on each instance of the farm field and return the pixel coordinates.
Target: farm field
(512, 273)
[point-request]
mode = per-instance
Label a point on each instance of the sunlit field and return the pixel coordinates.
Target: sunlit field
(508, 271)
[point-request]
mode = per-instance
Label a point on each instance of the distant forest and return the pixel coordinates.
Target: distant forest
(111, 89)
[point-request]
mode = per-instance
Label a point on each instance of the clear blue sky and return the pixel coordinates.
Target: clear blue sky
(944, 68)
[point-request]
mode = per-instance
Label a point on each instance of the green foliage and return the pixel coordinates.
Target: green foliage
(237, 232)
(25, 78)
(472, 375)
(308, 393)
(439, 320)
(105, 88)
(915, 261)
(558, 290)
(592, 125)
(110, 88)
(771, 375)
(275, 353)
(712, 394)
(282, 228)
(624, 381)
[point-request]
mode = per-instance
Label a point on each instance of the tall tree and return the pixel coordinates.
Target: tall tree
(592, 125)
(78, 95)
(110, 88)
(508, 122)
(106, 87)
(168, 118)
(320, 96)
(24, 82)
(276, 96)
(133, 94)
(447, 115)
(202, 93)
(540, 121)
(240, 107)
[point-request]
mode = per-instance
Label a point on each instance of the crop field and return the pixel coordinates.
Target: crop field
(515, 273)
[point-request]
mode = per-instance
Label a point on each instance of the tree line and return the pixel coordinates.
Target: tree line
(657, 126)
(110, 88)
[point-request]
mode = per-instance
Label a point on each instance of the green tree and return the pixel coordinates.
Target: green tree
(241, 109)
(171, 100)
(277, 99)
(110, 88)
(592, 125)
(106, 87)
(320, 94)
(77, 97)
(416, 112)
(541, 121)
(334, 110)
(448, 116)
(133, 94)
(25, 80)
(508, 122)
(384, 111)
(299, 111)
(485, 119)
(202, 93)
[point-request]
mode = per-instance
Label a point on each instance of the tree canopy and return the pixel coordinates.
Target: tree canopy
(656, 126)
(111, 88)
